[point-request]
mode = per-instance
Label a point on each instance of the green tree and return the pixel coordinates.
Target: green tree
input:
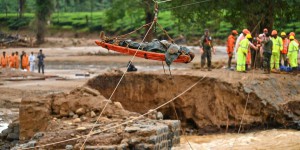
(135, 8)
(21, 7)
(252, 14)
(43, 12)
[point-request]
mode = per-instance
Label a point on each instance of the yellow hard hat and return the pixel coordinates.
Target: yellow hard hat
(292, 37)
(282, 34)
(248, 36)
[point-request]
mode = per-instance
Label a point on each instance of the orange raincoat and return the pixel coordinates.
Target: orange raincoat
(4, 61)
(25, 63)
(230, 45)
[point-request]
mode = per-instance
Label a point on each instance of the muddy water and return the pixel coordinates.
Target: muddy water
(3, 126)
(6, 117)
(268, 139)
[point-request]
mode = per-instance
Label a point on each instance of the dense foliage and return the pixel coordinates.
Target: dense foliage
(187, 17)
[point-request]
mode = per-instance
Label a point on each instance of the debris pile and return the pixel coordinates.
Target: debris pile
(7, 40)
(10, 136)
(60, 117)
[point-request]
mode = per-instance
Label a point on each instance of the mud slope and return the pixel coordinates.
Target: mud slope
(213, 104)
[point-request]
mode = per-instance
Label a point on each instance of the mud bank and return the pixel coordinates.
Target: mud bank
(61, 117)
(214, 104)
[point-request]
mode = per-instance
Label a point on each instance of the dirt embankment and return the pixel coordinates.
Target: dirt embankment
(60, 117)
(214, 104)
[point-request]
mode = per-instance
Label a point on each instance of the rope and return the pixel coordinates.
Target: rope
(166, 33)
(245, 108)
(173, 105)
(124, 35)
(164, 1)
(124, 123)
(117, 84)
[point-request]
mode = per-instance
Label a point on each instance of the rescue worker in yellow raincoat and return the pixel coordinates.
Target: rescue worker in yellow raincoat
(244, 46)
(277, 47)
(293, 54)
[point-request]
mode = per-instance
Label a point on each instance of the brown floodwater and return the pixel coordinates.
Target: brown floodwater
(269, 139)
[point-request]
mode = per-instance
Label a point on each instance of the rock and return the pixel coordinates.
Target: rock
(69, 147)
(80, 111)
(83, 118)
(71, 114)
(125, 141)
(2, 136)
(77, 120)
(119, 131)
(72, 134)
(38, 135)
(75, 116)
(159, 116)
(134, 141)
(63, 113)
(152, 114)
(80, 128)
(12, 136)
(25, 145)
(118, 105)
(104, 119)
(131, 129)
(16, 129)
(91, 91)
(85, 94)
(93, 114)
(6, 131)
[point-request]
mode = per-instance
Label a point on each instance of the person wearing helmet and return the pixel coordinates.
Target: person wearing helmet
(255, 58)
(283, 52)
(262, 37)
(293, 34)
(277, 47)
(293, 54)
(244, 46)
(239, 39)
(267, 52)
(230, 46)
(206, 46)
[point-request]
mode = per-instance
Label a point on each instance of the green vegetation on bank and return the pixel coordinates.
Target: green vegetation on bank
(97, 21)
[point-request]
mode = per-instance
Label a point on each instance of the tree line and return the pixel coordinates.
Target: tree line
(191, 14)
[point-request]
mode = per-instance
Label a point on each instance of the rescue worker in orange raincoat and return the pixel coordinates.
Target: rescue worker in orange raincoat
(4, 60)
(12, 62)
(17, 59)
(284, 51)
(230, 46)
(25, 61)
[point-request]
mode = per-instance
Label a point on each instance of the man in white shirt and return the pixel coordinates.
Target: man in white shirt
(32, 62)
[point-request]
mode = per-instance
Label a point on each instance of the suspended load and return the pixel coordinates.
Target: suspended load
(155, 50)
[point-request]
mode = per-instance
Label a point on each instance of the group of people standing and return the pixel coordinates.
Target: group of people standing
(266, 51)
(23, 61)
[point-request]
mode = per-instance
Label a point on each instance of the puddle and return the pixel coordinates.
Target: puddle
(3, 125)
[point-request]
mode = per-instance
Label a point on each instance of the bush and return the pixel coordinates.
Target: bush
(17, 23)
